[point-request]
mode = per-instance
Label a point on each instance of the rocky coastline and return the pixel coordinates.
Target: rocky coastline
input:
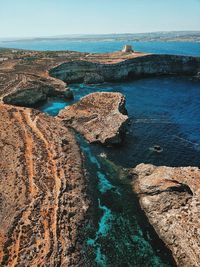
(170, 198)
(43, 186)
(29, 77)
(138, 67)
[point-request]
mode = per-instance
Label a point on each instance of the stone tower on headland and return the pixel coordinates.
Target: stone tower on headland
(127, 49)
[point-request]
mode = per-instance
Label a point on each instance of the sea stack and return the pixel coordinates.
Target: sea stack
(100, 117)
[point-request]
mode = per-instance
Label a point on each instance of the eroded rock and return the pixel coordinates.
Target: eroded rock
(170, 198)
(99, 117)
(43, 202)
(32, 70)
(137, 66)
(35, 92)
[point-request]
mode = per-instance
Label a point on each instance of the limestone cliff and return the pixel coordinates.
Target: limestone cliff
(28, 77)
(42, 191)
(170, 198)
(31, 91)
(140, 66)
(100, 117)
(25, 79)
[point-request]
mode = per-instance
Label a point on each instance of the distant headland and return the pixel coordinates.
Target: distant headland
(164, 36)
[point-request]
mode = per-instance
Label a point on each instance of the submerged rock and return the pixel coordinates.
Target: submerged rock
(197, 76)
(100, 117)
(43, 200)
(170, 198)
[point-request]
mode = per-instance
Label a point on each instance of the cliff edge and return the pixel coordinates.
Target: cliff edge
(170, 198)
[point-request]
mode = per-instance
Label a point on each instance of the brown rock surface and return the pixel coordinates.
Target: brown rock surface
(100, 117)
(30, 71)
(42, 191)
(170, 198)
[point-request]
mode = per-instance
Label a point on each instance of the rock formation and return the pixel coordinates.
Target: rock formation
(44, 74)
(170, 198)
(137, 66)
(100, 117)
(34, 92)
(25, 79)
(42, 191)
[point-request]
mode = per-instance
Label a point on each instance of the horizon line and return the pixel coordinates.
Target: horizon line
(91, 34)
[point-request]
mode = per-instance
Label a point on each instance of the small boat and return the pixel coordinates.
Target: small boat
(156, 148)
(103, 155)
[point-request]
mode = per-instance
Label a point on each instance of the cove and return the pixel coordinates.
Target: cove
(163, 111)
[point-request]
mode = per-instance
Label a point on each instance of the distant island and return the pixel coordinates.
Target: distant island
(175, 36)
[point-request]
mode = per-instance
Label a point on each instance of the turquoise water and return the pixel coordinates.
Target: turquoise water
(180, 48)
(118, 234)
(163, 111)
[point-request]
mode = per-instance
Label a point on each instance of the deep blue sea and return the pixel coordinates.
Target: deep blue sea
(164, 111)
(180, 48)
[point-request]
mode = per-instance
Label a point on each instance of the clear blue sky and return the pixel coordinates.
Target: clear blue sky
(26, 18)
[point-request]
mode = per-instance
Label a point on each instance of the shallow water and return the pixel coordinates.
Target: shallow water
(163, 111)
(118, 234)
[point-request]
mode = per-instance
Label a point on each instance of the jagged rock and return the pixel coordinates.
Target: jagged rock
(41, 185)
(100, 117)
(170, 198)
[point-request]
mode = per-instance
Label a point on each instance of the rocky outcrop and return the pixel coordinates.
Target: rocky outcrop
(33, 92)
(42, 191)
(139, 66)
(30, 70)
(170, 198)
(100, 117)
(25, 79)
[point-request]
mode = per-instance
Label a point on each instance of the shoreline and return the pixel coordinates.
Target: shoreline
(95, 70)
(50, 72)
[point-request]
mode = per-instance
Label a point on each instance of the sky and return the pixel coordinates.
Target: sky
(26, 18)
